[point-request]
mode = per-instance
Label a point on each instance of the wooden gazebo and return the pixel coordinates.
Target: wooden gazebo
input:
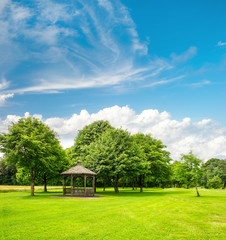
(73, 173)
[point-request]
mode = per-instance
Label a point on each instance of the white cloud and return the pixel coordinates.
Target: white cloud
(121, 75)
(201, 84)
(82, 43)
(4, 123)
(164, 81)
(19, 13)
(53, 12)
(221, 44)
(4, 84)
(3, 4)
(185, 56)
(48, 35)
(107, 5)
(205, 138)
(3, 98)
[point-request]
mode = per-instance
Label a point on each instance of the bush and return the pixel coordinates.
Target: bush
(214, 182)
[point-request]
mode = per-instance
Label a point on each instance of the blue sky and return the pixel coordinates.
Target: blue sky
(60, 57)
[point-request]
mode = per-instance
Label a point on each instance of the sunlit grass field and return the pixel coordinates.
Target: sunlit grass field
(153, 214)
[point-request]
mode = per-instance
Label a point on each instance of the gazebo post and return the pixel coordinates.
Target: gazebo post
(85, 184)
(64, 190)
(93, 185)
(74, 180)
(71, 184)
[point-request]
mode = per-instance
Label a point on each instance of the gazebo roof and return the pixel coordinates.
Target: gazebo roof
(78, 170)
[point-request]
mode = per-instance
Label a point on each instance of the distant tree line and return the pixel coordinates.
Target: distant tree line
(33, 155)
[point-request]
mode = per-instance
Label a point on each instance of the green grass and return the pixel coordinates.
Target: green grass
(155, 214)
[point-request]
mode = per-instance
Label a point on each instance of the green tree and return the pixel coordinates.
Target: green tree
(214, 167)
(191, 167)
(69, 153)
(32, 146)
(214, 182)
(56, 163)
(7, 173)
(156, 158)
(115, 155)
(178, 174)
(86, 136)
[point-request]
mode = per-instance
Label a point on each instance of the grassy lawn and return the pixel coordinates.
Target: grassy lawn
(154, 214)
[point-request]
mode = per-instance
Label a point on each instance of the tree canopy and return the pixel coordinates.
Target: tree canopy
(115, 155)
(32, 146)
(90, 133)
(156, 158)
(214, 171)
(188, 171)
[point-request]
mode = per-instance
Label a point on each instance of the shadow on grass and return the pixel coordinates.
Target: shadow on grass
(131, 193)
(123, 193)
(13, 190)
(109, 193)
(128, 193)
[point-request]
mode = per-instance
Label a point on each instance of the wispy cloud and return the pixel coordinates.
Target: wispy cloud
(4, 84)
(3, 98)
(201, 84)
(80, 45)
(164, 81)
(221, 44)
(185, 56)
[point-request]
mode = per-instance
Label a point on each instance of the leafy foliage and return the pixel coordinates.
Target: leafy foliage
(212, 168)
(33, 147)
(214, 182)
(156, 158)
(7, 173)
(115, 155)
(187, 171)
(86, 136)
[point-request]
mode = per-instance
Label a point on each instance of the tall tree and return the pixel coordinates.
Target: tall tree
(32, 146)
(56, 163)
(156, 157)
(115, 155)
(86, 136)
(192, 169)
(178, 174)
(214, 168)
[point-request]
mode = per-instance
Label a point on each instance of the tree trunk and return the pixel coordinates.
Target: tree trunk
(45, 182)
(141, 188)
(32, 187)
(133, 185)
(104, 187)
(197, 191)
(116, 185)
(141, 184)
(116, 189)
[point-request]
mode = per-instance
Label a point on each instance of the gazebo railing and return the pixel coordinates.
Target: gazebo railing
(79, 191)
(66, 190)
